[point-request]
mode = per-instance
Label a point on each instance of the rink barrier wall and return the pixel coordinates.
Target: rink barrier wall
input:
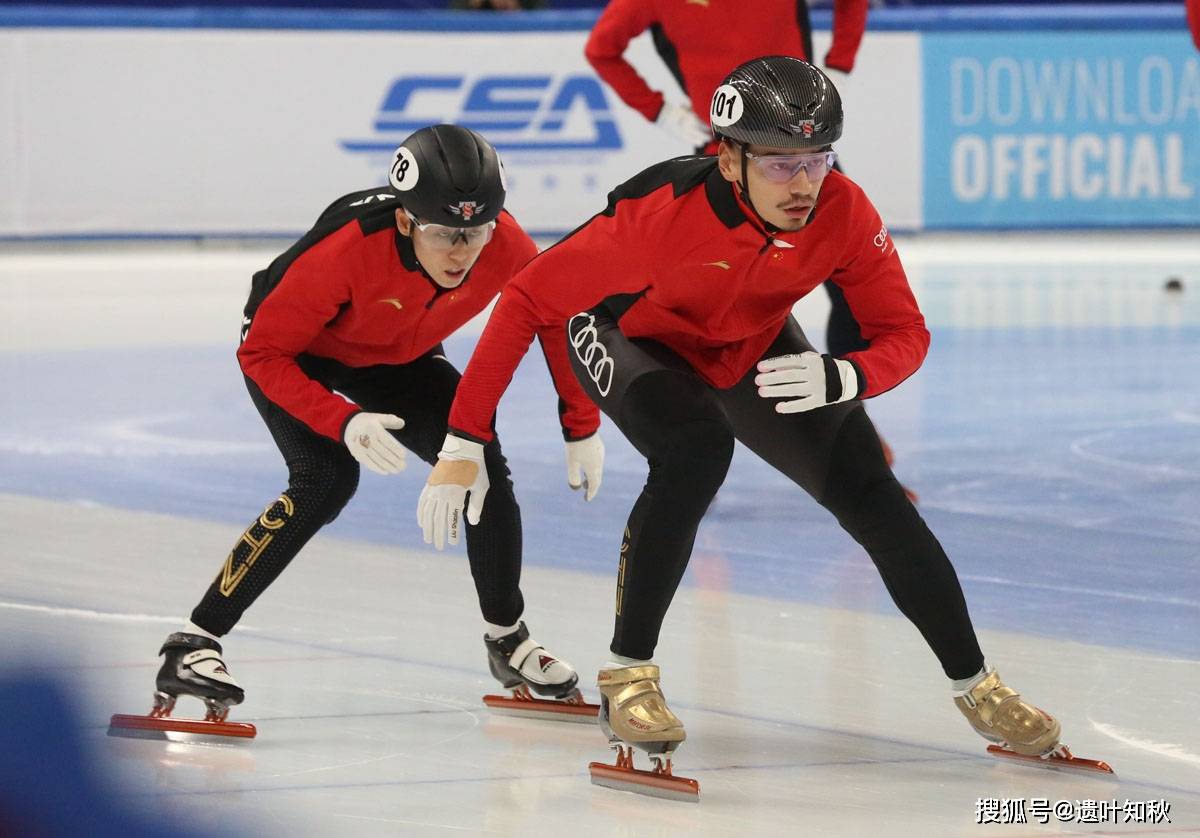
(237, 122)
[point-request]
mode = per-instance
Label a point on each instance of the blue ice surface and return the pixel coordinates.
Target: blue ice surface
(1059, 466)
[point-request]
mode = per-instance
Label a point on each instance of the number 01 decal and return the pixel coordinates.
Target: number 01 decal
(726, 106)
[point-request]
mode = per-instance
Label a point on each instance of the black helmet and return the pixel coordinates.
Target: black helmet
(447, 174)
(777, 101)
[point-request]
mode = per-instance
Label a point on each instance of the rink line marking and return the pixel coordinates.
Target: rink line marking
(1079, 447)
(87, 614)
(474, 829)
(131, 438)
(1165, 749)
(1073, 589)
(521, 778)
(474, 717)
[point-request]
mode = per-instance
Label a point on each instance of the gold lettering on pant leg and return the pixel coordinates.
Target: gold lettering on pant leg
(252, 544)
(621, 571)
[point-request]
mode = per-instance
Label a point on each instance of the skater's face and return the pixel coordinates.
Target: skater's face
(445, 255)
(783, 184)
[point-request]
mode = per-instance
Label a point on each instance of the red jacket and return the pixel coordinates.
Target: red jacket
(1193, 16)
(702, 40)
(717, 288)
(352, 290)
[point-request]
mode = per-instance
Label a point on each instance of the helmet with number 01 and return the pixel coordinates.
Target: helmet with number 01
(779, 102)
(448, 175)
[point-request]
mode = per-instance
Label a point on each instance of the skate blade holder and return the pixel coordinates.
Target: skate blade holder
(523, 704)
(158, 724)
(659, 782)
(1059, 760)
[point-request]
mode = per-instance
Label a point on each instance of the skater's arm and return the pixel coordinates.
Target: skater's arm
(878, 294)
(619, 23)
(309, 296)
(600, 259)
(849, 23)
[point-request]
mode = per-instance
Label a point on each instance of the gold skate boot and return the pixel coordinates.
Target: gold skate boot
(1020, 730)
(634, 713)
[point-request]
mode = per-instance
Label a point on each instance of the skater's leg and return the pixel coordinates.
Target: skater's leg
(834, 454)
(322, 477)
(673, 419)
(421, 393)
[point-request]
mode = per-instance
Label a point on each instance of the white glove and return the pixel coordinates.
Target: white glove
(368, 439)
(460, 470)
(586, 456)
(808, 380)
(681, 121)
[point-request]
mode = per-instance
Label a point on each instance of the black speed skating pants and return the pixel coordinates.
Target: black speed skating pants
(686, 429)
(323, 476)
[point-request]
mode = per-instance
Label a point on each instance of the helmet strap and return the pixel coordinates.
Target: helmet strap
(768, 228)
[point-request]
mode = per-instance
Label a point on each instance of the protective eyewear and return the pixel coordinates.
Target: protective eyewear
(441, 237)
(781, 168)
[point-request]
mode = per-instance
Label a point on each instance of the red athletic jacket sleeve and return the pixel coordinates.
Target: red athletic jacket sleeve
(1193, 16)
(882, 302)
(577, 414)
(572, 276)
(309, 296)
(849, 23)
(619, 23)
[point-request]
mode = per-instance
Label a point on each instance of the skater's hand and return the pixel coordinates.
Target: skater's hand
(808, 380)
(585, 456)
(460, 471)
(679, 120)
(368, 439)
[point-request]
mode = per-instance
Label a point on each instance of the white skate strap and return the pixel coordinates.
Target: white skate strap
(537, 665)
(207, 663)
(527, 647)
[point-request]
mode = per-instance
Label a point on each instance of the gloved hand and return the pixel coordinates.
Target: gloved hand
(586, 456)
(368, 439)
(460, 470)
(808, 380)
(681, 121)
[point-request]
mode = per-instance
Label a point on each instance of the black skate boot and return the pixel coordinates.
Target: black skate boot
(192, 666)
(523, 665)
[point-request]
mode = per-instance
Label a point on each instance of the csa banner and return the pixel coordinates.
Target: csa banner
(1067, 129)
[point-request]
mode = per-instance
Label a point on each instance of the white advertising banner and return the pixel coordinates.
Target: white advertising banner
(244, 132)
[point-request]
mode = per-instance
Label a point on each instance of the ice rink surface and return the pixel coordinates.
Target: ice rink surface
(1053, 435)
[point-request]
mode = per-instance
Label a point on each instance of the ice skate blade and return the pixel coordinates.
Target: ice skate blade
(541, 708)
(654, 784)
(1066, 762)
(180, 730)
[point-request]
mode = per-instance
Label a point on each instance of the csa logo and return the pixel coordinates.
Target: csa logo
(515, 112)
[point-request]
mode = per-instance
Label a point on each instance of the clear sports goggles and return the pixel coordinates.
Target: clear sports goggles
(441, 237)
(780, 168)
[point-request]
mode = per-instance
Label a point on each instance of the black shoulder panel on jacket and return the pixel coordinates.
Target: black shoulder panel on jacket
(682, 173)
(373, 210)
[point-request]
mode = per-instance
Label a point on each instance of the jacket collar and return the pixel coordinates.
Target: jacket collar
(729, 207)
